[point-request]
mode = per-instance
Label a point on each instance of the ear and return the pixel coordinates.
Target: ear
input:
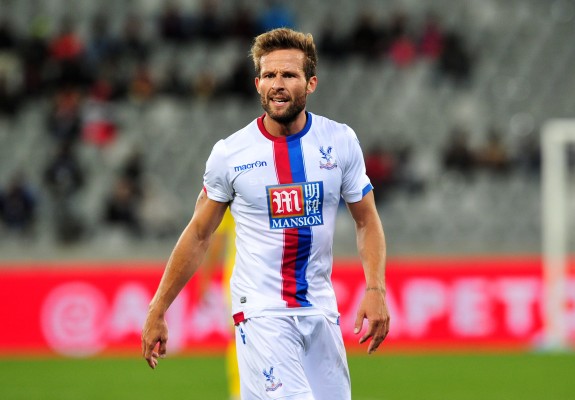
(311, 85)
(257, 83)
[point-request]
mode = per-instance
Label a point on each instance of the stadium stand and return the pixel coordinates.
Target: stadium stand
(516, 76)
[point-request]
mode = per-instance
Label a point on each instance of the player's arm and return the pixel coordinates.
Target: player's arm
(372, 252)
(212, 260)
(182, 264)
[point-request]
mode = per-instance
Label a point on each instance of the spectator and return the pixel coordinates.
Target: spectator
(10, 98)
(458, 155)
(398, 25)
(366, 39)
(174, 82)
(329, 44)
(402, 51)
(133, 172)
(67, 52)
(64, 116)
(242, 24)
(494, 156)
(64, 178)
(529, 154)
(172, 23)
(35, 54)
(8, 40)
(10, 71)
(431, 42)
(122, 207)
(142, 84)
(209, 26)
(63, 174)
(240, 82)
(380, 167)
(132, 44)
(98, 118)
(102, 46)
(455, 60)
(408, 176)
(18, 205)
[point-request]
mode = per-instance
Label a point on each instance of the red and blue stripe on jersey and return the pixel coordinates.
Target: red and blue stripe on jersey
(290, 168)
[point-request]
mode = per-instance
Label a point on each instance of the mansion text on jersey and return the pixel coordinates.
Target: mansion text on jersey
(296, 222)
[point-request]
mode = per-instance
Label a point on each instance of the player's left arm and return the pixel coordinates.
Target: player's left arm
(372, 252)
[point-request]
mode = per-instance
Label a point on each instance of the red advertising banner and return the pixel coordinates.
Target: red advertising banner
(86, 309)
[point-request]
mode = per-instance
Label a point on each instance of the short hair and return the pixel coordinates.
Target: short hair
(284, 39)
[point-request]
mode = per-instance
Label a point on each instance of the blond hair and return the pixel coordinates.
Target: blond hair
(283, 39)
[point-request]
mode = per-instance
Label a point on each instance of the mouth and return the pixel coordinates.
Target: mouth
(279, 101)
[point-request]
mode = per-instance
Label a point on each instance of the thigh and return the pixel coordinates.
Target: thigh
(325, 360)
(270, 351)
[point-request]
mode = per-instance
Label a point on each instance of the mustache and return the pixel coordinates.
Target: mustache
(281, 94)
(279, 97)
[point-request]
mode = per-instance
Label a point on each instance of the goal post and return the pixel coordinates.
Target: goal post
(556, 135)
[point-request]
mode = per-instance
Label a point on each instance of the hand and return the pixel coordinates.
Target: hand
(155, 331)
(374, 308)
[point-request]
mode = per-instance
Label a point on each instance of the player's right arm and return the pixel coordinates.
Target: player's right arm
(185, 259)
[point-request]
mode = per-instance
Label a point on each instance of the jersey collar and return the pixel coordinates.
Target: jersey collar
(289, 138)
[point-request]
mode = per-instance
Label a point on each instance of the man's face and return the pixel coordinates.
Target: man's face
(282, 85)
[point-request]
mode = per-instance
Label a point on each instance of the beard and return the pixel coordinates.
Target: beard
(289, 114)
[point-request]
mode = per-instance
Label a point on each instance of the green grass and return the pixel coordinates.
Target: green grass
(386, 376)
(464, 377)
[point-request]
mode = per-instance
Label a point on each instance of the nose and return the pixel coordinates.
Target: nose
(278, 83)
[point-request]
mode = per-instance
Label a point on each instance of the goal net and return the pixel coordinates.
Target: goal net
(557, 135)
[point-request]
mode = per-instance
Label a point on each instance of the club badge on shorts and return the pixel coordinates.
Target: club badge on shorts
(295, 205)
(272, 383)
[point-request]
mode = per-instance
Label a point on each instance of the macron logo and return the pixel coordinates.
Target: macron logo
(245, 167)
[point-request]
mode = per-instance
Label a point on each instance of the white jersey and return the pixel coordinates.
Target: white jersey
(284, 193)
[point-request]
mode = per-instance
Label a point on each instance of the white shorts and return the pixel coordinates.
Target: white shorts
(299, 358)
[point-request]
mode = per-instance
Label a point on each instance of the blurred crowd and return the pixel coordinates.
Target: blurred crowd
(52, 58)
(391, 169)
(402, 42)
(105, 65)
(82, 77)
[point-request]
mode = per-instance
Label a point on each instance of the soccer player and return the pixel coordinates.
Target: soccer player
(282, 176)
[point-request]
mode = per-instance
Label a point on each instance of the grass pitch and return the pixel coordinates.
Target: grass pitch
(385, 376)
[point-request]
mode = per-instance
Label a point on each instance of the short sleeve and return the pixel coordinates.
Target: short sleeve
(355, 183)
(216, 178)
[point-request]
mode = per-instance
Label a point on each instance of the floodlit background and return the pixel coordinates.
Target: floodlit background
(109, 109)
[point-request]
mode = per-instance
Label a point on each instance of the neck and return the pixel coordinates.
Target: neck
(279, 129)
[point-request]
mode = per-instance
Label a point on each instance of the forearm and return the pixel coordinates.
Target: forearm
(372, 252)
(181, 266)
